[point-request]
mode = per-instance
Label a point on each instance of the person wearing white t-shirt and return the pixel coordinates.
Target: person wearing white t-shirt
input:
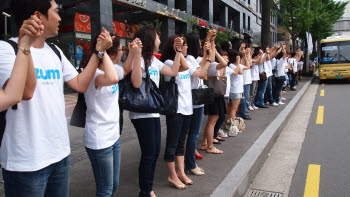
(178, 124)
(101, 135)
(218, 107)
(255, 78)
(236, 91)
(247, 81)
(294, 69)
(36, 139)
(200, 63)
(268, 97)
(280, 73)
(147, 125)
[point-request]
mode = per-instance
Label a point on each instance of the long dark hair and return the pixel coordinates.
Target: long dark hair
(256, 51)
(232, 54)
(147, 35)
(168, 51)
(194, 48)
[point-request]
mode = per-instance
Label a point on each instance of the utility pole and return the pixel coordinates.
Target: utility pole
(6, 15)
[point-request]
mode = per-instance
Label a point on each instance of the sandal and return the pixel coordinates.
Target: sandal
(219, 139)
(205, 147)
(214, 150)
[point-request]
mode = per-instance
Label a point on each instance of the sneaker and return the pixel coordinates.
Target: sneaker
(281, 103)
(284, 92)
(255, 107)
(283, 99)
(251, 108)
(274, 104)
(293, 88)
(222, 133)
(267, 103)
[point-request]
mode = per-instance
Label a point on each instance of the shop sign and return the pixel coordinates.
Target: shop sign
(203, 23)
(82, 23)
(82, 36)
(119, 29)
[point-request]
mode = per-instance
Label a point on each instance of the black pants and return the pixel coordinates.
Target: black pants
(149, 135)
(294, 79)
(177, 128)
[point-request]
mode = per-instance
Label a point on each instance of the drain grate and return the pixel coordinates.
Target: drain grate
(261, 193)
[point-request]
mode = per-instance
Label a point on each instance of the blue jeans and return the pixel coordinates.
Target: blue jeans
(259, 98)
(244, 103)
(219, 122)
(177, 127)
(149, 135)
(105, 165)
(51, 181)
(268, 93)
(195, 129)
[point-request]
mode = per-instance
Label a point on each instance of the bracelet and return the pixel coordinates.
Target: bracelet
(208, 60)
(178, 51)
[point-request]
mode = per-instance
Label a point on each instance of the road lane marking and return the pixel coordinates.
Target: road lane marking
(319, 119)
(312, 185)
(322, 93)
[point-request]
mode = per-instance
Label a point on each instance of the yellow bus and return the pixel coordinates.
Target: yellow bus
(335, 58)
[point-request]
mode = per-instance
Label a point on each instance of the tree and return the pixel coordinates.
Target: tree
(265, 24)
(315, 16)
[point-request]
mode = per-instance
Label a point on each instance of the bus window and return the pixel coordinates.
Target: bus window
(344, 55)
(329, 53)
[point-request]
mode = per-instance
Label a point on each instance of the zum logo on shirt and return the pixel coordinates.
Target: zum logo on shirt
(47, 74)
(153, 72)
(115, 88)
(187, 76)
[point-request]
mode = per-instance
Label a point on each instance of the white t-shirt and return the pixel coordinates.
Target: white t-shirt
(268, 68)
(154, 72)
(183, 81)
(255, 72)
(236, 81)
(36, 134)
(300, 65)
(102, 113)
(281, 63)
(228, 74)
(247, 77)
(273, 63)
(196, 82)
(294, 62)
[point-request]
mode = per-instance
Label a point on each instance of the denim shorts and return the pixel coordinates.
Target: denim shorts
(227, 100)
(234, 96)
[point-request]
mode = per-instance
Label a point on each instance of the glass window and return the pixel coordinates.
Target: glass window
(344, 55)
(329, 53)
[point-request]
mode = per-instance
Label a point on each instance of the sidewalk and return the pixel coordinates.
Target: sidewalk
(217, 181)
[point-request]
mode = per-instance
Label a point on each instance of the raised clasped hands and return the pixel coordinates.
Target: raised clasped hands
(31, 29)
(104, 40)
(178, 43)
(136, 46)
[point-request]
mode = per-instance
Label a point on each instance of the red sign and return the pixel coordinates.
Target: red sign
(119, 29)
(82, 23)
(203, 23)
(221, 29)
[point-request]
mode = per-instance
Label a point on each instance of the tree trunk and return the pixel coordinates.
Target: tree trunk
(292, 21)
(265, 24)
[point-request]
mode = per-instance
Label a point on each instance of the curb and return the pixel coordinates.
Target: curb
(237, 181)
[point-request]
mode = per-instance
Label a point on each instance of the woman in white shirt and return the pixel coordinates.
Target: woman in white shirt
(147, 125)
(101, 135)
(280, 72)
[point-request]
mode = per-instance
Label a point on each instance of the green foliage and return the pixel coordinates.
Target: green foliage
(157, 24)
(193, 22)
(224, 36)
(315, 16)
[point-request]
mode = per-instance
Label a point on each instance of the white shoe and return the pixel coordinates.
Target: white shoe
(255, 107)
(222, 133)
(274, 104)
(281, 103)
(251, 108)
(283, 99)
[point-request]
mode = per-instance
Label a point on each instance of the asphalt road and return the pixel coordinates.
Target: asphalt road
(327, 145)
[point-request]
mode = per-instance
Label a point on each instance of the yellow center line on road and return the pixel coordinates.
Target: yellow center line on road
(322, 93)
(312, 185)
(322, 84)
(319, 119)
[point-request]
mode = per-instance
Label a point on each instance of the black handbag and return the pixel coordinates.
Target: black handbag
(262, 75)
(78, 118)
(218, 84)
(202, 95)
(146, 99)
(170, 95)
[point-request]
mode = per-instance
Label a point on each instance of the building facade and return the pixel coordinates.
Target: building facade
(124, 17)
(342, 26)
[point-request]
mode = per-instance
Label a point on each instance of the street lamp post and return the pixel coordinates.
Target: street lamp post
(6, 15)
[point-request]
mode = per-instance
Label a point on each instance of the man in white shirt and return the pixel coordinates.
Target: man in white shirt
(35, 150)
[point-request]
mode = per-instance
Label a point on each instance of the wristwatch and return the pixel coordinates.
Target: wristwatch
(25, 51)
(99, 54)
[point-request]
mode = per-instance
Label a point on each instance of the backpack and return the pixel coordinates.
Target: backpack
(3, 113)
